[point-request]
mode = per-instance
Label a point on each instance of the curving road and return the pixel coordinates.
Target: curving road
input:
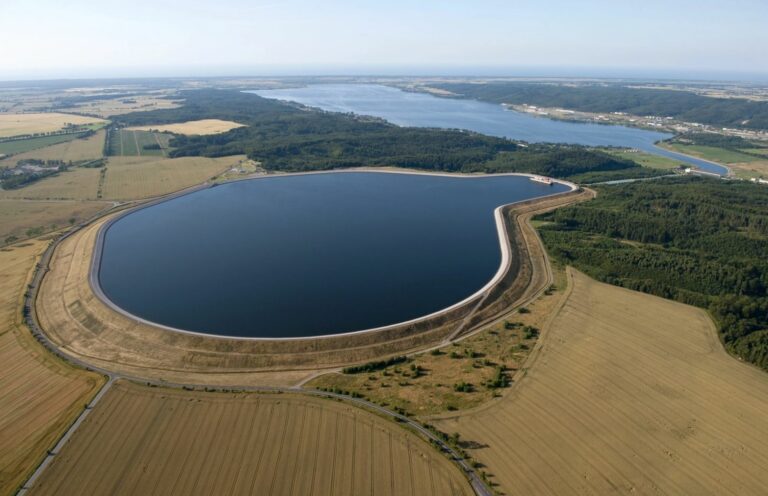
(478, 485)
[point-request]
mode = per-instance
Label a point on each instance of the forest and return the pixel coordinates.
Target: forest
(712, 139)
(682, 105)
(695, 240)
(287, 137)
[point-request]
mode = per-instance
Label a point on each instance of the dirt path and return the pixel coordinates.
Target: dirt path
(65, 438)
(136, 142)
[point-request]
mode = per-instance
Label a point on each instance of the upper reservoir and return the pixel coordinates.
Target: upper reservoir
(424, 110)
(309, 255)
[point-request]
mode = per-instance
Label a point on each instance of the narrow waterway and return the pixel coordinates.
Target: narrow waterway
(423, 110)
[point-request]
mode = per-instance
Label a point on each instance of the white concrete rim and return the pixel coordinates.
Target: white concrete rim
(504, 244)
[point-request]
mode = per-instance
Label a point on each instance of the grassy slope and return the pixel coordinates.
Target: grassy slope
(712, 153)
(647, 159)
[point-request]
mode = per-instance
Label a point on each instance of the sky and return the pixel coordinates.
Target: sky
(79, 38)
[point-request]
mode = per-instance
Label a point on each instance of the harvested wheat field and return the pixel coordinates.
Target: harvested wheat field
(46, 122)
(76, 183)
(75, 150)
(142, 177)
(201, 127)
(40, 395)
(21, 218)
(629, 393)
(118, 106)
(142, 440)
(126, 178)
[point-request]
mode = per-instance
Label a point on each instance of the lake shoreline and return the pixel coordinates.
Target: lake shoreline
(82, 328)
(413, 108)
(503, 238)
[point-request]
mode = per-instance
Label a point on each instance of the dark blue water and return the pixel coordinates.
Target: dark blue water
(423, 110)
(309, 255)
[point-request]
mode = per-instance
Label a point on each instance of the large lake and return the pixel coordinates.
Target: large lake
(308, 255)
(424, 110)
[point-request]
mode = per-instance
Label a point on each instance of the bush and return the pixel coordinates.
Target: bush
(530, 332)
(463, 387)
(373, 366)
(500, 378)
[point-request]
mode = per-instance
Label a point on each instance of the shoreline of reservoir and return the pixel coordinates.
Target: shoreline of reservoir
(81, 326)
(503, 239)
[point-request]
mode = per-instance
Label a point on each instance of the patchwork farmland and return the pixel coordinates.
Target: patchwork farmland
(123, 142)
(73, 150)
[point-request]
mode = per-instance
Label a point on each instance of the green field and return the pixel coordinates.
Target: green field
(25, 145)
(759, 151)
(131, 143)
(715, 154)
(646, 159)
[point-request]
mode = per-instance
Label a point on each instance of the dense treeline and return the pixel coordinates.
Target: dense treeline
(16, 181)
(683, 105)
(699, 241)
(285, 137)
(712, 139)
(566, 161)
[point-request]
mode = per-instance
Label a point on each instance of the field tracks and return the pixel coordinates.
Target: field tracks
(136, 142)
(64, 438)
(336, 478)
(626, 393)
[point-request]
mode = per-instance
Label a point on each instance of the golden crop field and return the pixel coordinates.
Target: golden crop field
(201, 127)
(142, 177)
(628, 393)
(125, 178)
(90, 148)
(40, 395)
(19, 216)
(75, 184)
(142, 440)
(46, 122)
(117, 106)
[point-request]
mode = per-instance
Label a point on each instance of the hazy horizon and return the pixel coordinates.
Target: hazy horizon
(618, 73)
(687, 39)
